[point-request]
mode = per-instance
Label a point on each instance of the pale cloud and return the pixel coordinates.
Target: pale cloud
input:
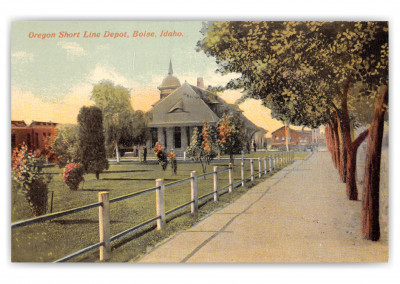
(22, 56)
(73, 48)
(107, 73)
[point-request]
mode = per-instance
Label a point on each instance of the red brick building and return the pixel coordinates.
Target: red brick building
(298, 138)
(34, 135)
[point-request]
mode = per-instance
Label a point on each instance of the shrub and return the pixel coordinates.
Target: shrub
(161, 156)
(73, 175)
(172, 161)
(26, 171)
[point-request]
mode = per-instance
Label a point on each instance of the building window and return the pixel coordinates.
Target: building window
(283, 138)
(37, 140)
(177, 137)
(277, 138)
(306, 139)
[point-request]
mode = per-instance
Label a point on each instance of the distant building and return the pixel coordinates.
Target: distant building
(181, 108)
(34, 135)
(298, 138)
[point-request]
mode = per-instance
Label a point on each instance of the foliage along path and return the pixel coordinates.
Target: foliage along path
(301, 214)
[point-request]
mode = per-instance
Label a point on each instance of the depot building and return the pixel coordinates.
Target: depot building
(182, 107)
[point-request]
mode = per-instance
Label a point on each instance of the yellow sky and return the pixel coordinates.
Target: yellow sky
(25, 106)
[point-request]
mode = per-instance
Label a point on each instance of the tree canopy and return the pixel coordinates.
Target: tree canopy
(91, 149)
(298, 69)
(122, 125)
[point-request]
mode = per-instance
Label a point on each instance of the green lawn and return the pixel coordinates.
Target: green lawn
(54, 239)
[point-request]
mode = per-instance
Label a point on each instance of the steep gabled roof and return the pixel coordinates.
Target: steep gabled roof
(18, 123)
(193, 110)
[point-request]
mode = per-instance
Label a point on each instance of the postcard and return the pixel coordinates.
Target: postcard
(199, 141)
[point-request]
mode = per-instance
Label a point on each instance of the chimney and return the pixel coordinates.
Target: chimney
(200, 82)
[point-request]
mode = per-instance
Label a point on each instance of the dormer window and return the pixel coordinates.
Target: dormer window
(178, 107)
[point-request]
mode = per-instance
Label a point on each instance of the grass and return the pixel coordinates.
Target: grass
(45, 242)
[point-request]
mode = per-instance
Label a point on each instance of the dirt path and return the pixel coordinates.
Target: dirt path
(301, 214)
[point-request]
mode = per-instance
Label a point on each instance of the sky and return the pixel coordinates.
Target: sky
(52, 77)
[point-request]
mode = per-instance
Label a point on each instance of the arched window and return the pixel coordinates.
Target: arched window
(277, 138)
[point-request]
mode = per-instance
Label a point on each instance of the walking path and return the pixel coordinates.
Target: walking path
(300, 214)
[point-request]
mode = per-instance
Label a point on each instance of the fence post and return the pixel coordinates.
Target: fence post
(160, 204)
(193, 191)
(230, 177)
(104, 226)
(242, 173)
(270, 164)
(274, 162)
(265, 166)
(259, 167)
(251, 170)
(215, 175)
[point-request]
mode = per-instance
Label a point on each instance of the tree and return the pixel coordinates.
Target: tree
(27, 172)
(303, 72)
(306, 72)
(123, 125)
(203, 145)
(65, 144)
(161, 156)
(231, 135)
(370, 228)
(91, 148)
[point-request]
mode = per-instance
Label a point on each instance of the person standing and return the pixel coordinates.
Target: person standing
(144, 153)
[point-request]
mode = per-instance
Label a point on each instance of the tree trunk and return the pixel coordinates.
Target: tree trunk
(336, 149)
(97, 175)
(287, 136)
(370, 229)
(351, 166)
(328, 138)
(117, 152)
(351, 186)
(342, 154)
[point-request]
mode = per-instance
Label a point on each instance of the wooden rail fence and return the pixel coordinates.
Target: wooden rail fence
(271, 165)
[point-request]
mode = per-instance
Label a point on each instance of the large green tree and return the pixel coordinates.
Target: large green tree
(65, 144)
(91, 140)
(123, 126)
(305, 72)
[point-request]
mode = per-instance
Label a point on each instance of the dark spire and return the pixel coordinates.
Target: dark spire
(170, 71)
